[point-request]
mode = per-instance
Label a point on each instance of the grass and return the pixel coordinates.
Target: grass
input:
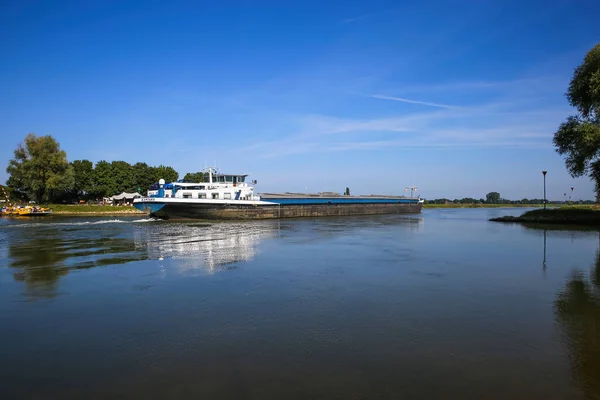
(568, 215)
(475, 205)
(91, 209)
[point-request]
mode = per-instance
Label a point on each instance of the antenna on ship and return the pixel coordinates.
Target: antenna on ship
(411, 190)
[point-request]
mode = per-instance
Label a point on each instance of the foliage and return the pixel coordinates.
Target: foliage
(166, 173)
(40, 169)
(578, 138)
(83, 178)
(104, 183)
(123, 176)
(194, 177)
(492, 198)
(143, 176)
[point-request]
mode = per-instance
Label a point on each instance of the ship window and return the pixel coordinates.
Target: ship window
(202, 188)
(241, 179)
(201, 195)
(229, 178)
(227, 196)
(215, 195)
(187, 195)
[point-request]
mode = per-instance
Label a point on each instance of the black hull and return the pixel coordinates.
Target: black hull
(245, 212)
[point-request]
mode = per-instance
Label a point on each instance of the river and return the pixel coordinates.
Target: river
(441, 305)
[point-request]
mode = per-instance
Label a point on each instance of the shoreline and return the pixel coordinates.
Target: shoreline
(557, 216)
(578, 213)
(97, 213)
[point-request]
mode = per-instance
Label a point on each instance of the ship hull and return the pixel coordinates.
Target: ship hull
(265, 210)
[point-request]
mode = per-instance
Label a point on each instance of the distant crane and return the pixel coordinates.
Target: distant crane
(412, 188)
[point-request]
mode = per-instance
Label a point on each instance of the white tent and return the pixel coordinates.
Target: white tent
(125, 196)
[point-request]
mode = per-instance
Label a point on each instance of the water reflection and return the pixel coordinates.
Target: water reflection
(204, 247)
(577, 310)
(544, 262)
(43, 254)
(40, 264)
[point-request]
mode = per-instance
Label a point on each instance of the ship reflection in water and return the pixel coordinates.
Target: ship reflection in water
(443, 306)
(200, 247)
(40, 254)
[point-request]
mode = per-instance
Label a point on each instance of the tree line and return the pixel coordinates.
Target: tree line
(40, 171)
(495, 198)
(470, 200)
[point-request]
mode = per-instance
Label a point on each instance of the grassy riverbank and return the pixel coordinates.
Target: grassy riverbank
(589, 216)
(67, 209)
(476, 205)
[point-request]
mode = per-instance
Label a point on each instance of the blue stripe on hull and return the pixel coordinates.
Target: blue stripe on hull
(339, 201)
(149, 208)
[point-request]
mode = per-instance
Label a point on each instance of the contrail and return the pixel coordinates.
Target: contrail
(424, 103)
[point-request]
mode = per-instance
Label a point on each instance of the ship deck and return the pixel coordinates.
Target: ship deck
(327, 195)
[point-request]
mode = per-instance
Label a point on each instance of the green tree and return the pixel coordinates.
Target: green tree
(104, 183)
(143, 176)
(83, 171)
(122, 176)
(40, 169)
(578, 138)
(492, 198)
(194, 177)
(166, 173)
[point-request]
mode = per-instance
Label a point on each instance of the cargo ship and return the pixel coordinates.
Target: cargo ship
(230, 196)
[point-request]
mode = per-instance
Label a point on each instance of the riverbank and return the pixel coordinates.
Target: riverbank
(479, 205)
(95, 210)
(92, 210)
(565, 216)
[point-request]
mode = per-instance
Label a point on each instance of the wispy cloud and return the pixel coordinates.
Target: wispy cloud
(513, 87)
(483, 126)
(424, 103)
(368, 15)
(354, 19)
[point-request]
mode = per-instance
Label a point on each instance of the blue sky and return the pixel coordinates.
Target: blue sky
(458, 98)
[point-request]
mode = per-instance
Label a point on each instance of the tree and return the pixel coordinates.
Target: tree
(104, 183)
(194, 177)
(578, 138)
(166, 173)
(83, 171)
(40, 169)
(122, 176)
(492, 198)
(143, 176)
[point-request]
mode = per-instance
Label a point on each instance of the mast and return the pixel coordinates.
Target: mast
(6, 196)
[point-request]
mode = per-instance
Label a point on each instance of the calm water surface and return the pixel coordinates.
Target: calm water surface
(443, 305)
